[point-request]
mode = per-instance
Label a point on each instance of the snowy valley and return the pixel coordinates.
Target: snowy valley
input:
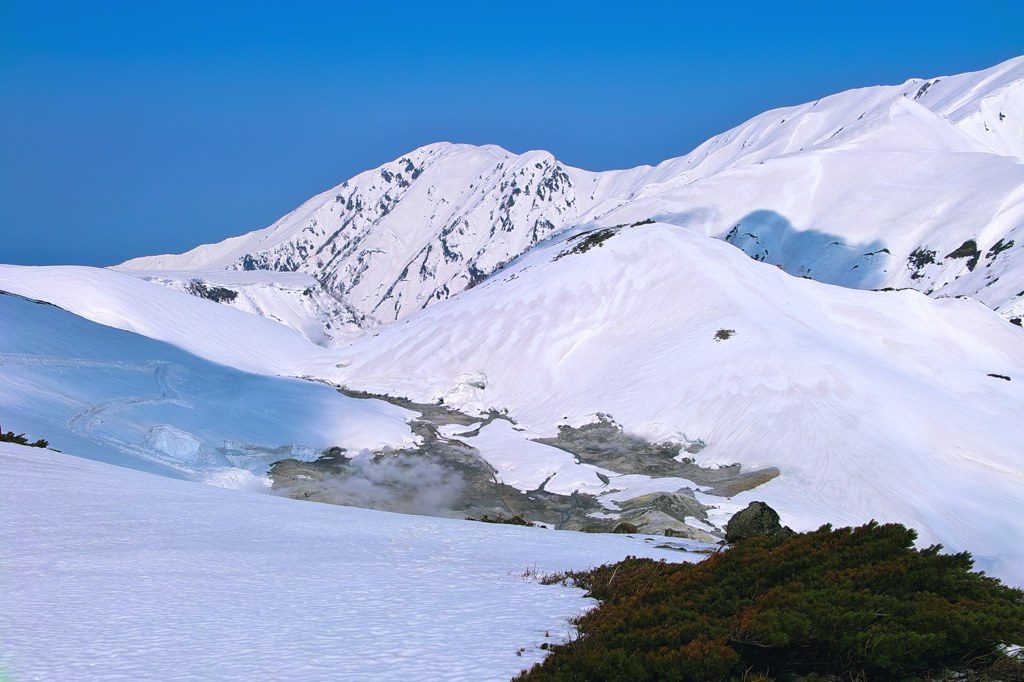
(820, 308)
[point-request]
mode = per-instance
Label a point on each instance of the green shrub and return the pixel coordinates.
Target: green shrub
(501, 518)
(853, 602)
(20, 439)
(584, 241)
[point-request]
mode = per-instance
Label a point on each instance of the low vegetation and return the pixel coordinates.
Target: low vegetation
(213, 293)
(918, 259)
(20, 439)
(501, 518)
(998, 248)
(585, 241)
(968, 250)
(850, 604)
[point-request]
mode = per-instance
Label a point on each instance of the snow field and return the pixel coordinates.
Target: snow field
(206, 329)
(113, 574)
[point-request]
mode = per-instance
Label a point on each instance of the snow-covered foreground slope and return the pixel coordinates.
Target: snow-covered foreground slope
(914, 185)
(872, 404)
(122, 398)
(111, 574)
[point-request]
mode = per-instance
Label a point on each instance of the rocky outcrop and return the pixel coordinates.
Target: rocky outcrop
(757, 520)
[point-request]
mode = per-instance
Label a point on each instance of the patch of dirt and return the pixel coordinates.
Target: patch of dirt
(603, 443)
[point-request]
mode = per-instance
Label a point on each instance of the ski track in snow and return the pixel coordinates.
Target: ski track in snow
(120, 397)
(85, 423)
(112, 574)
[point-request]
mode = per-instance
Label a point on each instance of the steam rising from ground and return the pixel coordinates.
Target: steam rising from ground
(398, 482)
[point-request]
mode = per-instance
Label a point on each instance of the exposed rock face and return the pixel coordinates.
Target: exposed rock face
(757, 520)
(604, 444)
(412, 232)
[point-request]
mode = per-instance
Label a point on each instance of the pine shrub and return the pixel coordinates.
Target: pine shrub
(20, 439)
(855, 603)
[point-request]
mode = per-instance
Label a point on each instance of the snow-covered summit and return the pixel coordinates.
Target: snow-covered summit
(911, 185)
(416, 230)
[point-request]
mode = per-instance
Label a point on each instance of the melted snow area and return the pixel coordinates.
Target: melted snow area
(112, 574)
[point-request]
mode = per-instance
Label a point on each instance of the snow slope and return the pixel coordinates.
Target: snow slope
(915, 185)
(294, 299)
(873, 404)
(111, 574)
(206, 329)
(119, 397)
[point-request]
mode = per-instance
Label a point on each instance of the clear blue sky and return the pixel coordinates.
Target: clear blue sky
(149, 126)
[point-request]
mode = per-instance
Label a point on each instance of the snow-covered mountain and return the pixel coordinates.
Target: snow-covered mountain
(915, 185)
(869, 404)
(918, 185)
(417, 230)
(538, 299)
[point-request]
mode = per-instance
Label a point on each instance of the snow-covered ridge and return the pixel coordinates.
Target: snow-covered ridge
(885, 405)
(417, 230)
(295, 299)
(912, 185)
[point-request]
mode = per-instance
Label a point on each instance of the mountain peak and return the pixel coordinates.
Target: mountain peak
(415, 230)
(861, 179)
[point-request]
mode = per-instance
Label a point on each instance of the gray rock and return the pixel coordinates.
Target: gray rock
(757, 520)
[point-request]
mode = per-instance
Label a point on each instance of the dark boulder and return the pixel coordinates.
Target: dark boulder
(757, 520)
